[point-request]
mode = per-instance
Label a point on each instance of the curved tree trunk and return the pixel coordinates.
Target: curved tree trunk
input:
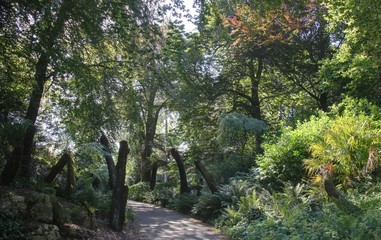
(65, 160)
(208, 178)
(110, 162)
(184, 188)
(120, 191)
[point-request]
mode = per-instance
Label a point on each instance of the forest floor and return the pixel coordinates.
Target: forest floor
(160, 223)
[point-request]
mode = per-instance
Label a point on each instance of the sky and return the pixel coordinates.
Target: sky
(189, 27)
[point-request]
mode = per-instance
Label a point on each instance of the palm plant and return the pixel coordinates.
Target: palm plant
(345, 148)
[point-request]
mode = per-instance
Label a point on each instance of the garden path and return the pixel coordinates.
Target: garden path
(160, 223)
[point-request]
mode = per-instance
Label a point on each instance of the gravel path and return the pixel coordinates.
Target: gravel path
(159, 223)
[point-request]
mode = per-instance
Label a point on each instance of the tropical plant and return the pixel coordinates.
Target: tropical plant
(350, 146)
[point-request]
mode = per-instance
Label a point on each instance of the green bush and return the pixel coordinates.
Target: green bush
(282, 160)
(11, 226)
(183, 203)
(348, 142)
(138, 191)
(162, 194)
(293, 215)
(208, 207)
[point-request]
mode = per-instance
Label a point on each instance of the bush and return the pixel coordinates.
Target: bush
(351, 147)
(293, 215)
(282, 160)
(138, 191)
(162, 194)
(11, 226)
(183, 203)
(208, 207)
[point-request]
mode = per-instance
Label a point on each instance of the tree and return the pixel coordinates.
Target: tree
(120, 192)
(301, 58)
(184, 188)
(355, 65)
(45, 33)
(110, 162)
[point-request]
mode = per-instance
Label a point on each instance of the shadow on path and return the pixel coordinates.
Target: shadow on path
(160, 223)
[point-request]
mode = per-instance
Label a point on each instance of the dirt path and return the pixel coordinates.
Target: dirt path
(159, 223)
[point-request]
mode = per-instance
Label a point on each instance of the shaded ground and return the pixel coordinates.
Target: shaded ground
(159, 223)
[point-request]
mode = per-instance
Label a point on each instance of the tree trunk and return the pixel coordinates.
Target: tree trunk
(11, 166)
(110, 162)
(323, 102)
(255, 77)
(153, 175)
(146, 166)
(120, 191)
(47, 40)
(65, 159)
(149, 137)
(184, 188)
(69, 178)
(208, 178)
(339, 198)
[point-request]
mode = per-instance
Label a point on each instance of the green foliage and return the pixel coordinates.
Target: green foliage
(208, 206)
(282, 160)
(355, 107)
(138, 191)
(235, 129)
(347, 143)
(130, 215)
(162, 194)
(291, 215)
(358, 57)
(11, 226)
(183, 203)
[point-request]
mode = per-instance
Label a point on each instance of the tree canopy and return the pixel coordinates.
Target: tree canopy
(261, 92)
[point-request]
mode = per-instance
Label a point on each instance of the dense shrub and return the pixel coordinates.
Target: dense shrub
(292, 215)
(348, 140)
(11, 226)
(183, 203)
(162, 194)
(282, 160)
(138, 191)
(208, 207)
(351, 147)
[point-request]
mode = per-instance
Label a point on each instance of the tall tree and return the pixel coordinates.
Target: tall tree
(356, 64)
(51, 35)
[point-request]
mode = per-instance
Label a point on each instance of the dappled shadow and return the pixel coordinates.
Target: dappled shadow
(159, 223)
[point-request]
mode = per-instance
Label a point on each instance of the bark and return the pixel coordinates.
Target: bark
(65, 159)
(146, 166)
(184, 188)
(47, 41)
(11, 166)
(339, 198)
(69, 178)
(323, 102)
(110, 162)
(149, 136)
(255, 77)
(120, 191)
(208, 178)
(153, 175)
